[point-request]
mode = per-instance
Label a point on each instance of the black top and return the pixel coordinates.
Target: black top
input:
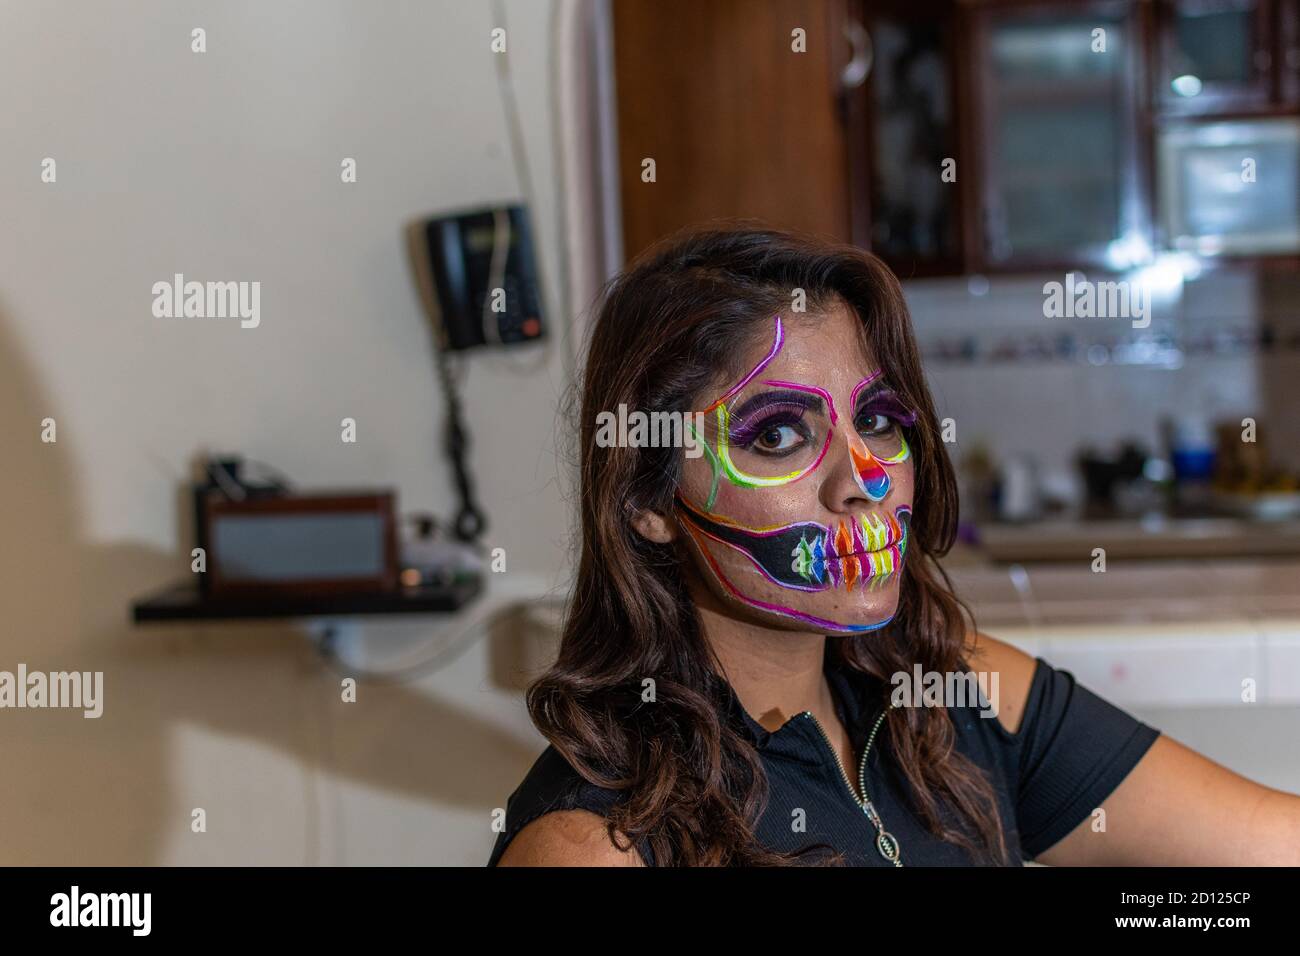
(1071, 751)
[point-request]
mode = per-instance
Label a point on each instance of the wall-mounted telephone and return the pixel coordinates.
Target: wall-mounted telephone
(479, 278)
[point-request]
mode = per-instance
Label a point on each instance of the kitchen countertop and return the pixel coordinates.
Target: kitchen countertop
(1152, 537)
(1189, 591)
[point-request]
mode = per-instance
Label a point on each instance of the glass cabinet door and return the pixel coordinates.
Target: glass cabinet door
(1210, 206)
(1214, 55)
(912, 132)
(1058, 138)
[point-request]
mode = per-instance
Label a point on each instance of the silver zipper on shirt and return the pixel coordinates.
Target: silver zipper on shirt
(886, 842)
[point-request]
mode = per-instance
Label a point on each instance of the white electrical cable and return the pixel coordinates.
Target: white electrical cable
(501, 239)
(523, 171)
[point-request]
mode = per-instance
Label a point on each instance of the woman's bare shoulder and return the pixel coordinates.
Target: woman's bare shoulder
(1015, 670)
(568, 838)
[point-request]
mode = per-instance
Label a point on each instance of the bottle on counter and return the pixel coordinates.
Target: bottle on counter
(1018, 497)
(1192, 452)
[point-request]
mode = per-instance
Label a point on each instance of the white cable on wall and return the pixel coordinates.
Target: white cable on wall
(523, 172)
(501, 238)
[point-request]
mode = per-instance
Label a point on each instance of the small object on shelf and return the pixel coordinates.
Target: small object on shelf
(1104, 476)
(300, 543)
(430, 557)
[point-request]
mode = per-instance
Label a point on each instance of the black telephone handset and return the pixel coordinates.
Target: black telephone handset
(479, 277)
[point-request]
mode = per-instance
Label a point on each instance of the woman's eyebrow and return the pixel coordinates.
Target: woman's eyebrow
(875, 378)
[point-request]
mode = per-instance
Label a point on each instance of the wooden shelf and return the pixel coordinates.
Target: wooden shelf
(183, 602)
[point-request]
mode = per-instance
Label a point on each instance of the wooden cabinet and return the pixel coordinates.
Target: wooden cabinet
(726, 111)
(948, 136)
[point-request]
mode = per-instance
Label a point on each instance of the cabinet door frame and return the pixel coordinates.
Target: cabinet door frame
(1286, 57)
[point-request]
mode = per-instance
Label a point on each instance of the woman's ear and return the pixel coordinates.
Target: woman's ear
(654, 527)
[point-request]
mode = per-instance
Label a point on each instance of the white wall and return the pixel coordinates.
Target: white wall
(225, 166)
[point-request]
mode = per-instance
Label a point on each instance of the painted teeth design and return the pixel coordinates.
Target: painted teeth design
(859, 551)
(802, 564)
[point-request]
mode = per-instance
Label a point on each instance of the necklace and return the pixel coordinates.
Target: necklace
(886, 842)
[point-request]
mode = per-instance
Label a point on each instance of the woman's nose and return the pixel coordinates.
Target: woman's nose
(855, 475)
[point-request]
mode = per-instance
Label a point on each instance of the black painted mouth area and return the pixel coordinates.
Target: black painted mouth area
(772, 551)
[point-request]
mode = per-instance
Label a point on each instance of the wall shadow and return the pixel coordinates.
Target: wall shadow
(119, 790)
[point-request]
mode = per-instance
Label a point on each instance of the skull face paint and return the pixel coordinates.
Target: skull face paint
(809, 556)
(786, 515)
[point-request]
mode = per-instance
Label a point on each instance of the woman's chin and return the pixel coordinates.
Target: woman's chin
(868, 607)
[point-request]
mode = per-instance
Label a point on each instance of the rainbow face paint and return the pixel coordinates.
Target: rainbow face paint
(773, 428)
(741, 417)
(783, 609)
(810, 556)
(868, 472)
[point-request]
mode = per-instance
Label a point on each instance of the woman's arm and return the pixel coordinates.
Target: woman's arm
(567, 838)
(1175, 807)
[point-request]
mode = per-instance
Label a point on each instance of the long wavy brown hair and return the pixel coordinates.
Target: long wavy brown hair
(691, 786)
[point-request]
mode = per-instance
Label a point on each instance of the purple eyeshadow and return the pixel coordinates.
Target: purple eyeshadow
(885, 401)
(744, 431)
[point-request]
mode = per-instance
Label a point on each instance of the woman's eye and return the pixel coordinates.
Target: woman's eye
(778, 438)
(874, 424)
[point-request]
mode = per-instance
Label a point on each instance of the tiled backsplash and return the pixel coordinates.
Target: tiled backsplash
(1046, 404)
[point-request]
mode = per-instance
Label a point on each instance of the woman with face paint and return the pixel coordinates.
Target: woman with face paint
(750, 600)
